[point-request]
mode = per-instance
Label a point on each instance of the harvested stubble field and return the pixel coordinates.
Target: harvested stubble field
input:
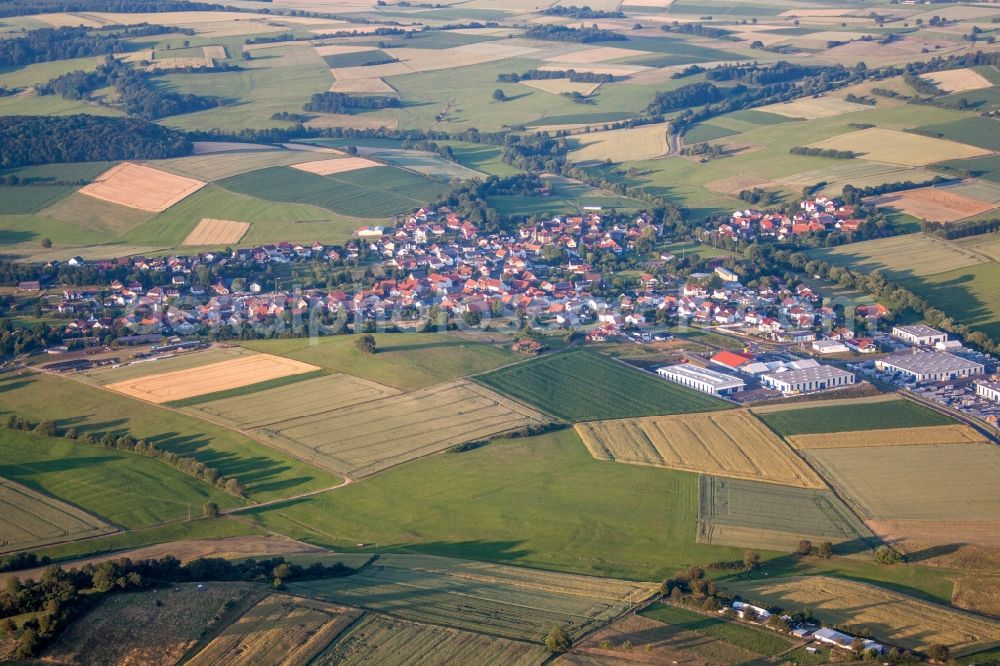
(285, 403)
(368, 437)
(891, 616)
(137, 186)
(640, 143)
(850, 417)
(580, 386)
(151, 627)
(278, 629)
(811, 108)
(958, 80)
(29, 519)
(935, 204)
(750, 514)
(959, 544)
(758, 641)
(931, 435)
(219, 165)
(920, 482)
(733, 444)
(381, 639)
(373, 85)
(170, 363)
(340, 165)
(515, 603)
(221, 376)
(883, 145)
(216, 232)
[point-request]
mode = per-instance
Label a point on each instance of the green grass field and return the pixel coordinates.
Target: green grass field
(124, 488)
(847, 418)
(406, 361)
(371, 192)
(582, 386)
(974, 130)
(758, 641)
(969, 295)
(264, 473)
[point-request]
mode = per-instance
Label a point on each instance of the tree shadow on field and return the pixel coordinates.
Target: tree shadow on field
(934, 551)
(23, 469)
(496, 551)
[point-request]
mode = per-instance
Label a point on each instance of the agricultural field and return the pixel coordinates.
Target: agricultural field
(514, 603)
(278, 628)
(893, 617)
(307, 398)
(935, 204)
(154, 626)
(137, 186)
(334, 166)
(383, 639)
(583, 386)
(850, 417)
(642, 143)
(974, 130)
(368, 437)
(728, 637)
(211, 378)
(931, 435)
(216, 232)
(214, 166)
(734, 512)
(29, 519)
(918, 482)
(811, 108)
(908, 149)
(732, 444)
(958, 80)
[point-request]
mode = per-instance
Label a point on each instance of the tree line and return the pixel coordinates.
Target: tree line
(699, 30)
(823, 152)
(48, 44)
(542, 75)
(585, 12)
(953, 230)
(334, 102)
(21, 8)
(853, 195)
(562, 33)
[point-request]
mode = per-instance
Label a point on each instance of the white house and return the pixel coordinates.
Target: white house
(829, 346)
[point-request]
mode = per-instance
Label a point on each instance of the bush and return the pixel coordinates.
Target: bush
(557, 641)
(366, 344)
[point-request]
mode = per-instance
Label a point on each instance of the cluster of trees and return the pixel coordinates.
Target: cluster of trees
(690, 70)
(585, 12)
(366, 344)
(922, 85)
(60, 596)
(16, 340)
(126, 442)
(541, 75)
(699, 30)
(953, 230)
(823, 152)
(760, 196)
(288, 117)
(692, 94)
(806, 548)
(860, 99)
(704, 150)
(22, 8)
(86, 138)
(779, 72)
(48, 44)
(853, 195)
(562, 33)
(334, 102)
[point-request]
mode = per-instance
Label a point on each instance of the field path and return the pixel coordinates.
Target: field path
(347, 481)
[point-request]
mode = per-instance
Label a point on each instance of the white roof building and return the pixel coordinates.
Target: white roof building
(807, 380)
(702, 379)
(918, 334)
(929, 366)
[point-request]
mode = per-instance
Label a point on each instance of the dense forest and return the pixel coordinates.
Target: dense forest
(333, 102)
(85, 138)
(541, 75)
(48, 44)
(585, 12)
(23, 8)
(562, 33)
(693, 94)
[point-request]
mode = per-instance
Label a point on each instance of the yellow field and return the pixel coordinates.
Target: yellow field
(560, 86)
(958, 80)
(366, 438)
(29, 519)
(215, 52)
(221, 376)
(340, 49)
(373, 85)
(278, 629)
(891, 616)
(936, 204)
(732, 444)
(882, 145)
(340, 165)
(142, 187)
(811, 108)
(638, 143)
(597, 54)
(946, 434)
(216, 232)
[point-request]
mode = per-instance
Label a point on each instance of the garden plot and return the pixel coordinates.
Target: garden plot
(278, 629)
(216, 232)
(366, 438)
(511, 602)
(891, 616)
(212, 378)
(381, 639)
(939, 435)
(906, 148)
(733, 444)
(137, 186)
(338, 165)
(958, 80)
(29, 519)
(749, 514)
(919, 482)
(307, 398)
(935, 204)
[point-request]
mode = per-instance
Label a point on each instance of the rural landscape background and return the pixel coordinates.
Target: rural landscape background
(499, 332)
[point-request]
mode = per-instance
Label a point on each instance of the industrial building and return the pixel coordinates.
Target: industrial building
(918, 334)
(702, 379)
(929, 366)
(807, 380)
(989, 390)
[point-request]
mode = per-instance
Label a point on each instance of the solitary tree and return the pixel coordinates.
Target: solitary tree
(366, 344)
(751, 560)
(557, 640)
(939, 652)
(805, 547)
(211, 510)
(499, 96)
(886, 555)
(46, 242)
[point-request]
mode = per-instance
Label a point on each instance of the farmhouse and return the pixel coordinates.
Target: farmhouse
(747, 611)
(845, 641)
(807, 380)
(918, 334)
(702, 379)
(929, 366)
(989, 390)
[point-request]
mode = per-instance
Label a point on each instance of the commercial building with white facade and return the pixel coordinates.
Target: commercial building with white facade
(702, 379)
(807, 380)
(989, 390)
(929, 366)
(918, 334)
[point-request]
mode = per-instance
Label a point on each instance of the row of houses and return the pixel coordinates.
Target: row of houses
(817, 215)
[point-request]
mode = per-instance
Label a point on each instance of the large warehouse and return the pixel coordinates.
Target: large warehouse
(929, 366)
(807, 380)
(702, 379)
